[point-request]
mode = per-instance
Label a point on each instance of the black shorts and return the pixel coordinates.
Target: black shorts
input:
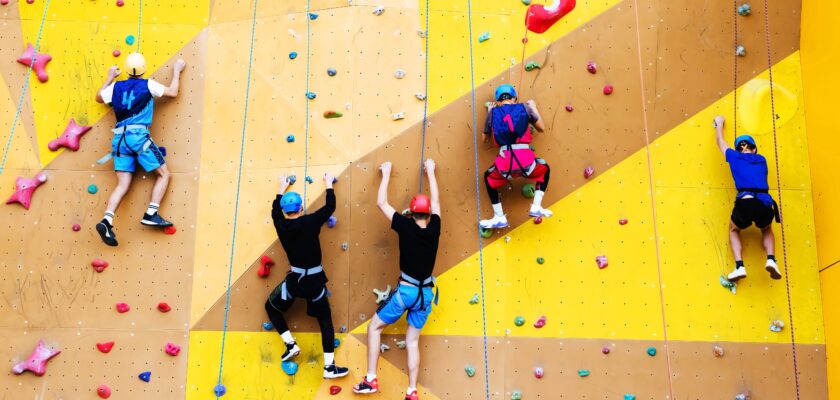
(309, 288)
(749, 211)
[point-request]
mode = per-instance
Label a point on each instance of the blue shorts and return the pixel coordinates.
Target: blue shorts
(417, 315)
(133, 147)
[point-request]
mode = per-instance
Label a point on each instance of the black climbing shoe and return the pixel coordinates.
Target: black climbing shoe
(106, 232)
(332, 371)
(155, 220)
(292, 350)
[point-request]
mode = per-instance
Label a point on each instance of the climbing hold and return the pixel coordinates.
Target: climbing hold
(265, 266)
(399, 73)
(718, 351)
(92, 189)
(516, 395)
(345, 246)
(334, 390)
(421, 33)
(129, 40)
(36, 61)
(332, 72)
(777, 326)
(532, 65)
(526, 2)
(539, 18)
(116, 53)
(740, 51)
(629, 396)
(332, 114)
(470, 370)
(484, 37)
(267, 326)
(602, 262)
(401, 344)
(219, 390)
(608, 90)
(651, 351)
(622, 221)
(420, 96)
(474, 299)
(539, 373)
(570, 107)
(605, 350)
(743, 396)
(384, 347)
(398, 116)
(744, 9)
(25, 188)
(76, 227)
(309, 179)
(540, 260)
(120, 3)
(310, 95)
(588, 172)
(378, 10)
(70, 138)
(537, 220)
(528, 190)
(731, 285)
(123, 308)
(103, 391)
(592, 67)
(507, 239)
(164, 308)
(583, 373)
(332, 221)
(105, 347)
(37, 361)
(519, 321)
(290, 139)
(539, 323)
(343, 329)
(313, 16)
(145, 376)
(485, 233)
(382, 295)
(99, 265)
(292, 179)
(336, 342)
(172, 349)
(170, 230)
(293, 55)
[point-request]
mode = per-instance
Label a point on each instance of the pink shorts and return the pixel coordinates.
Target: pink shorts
(496, 180)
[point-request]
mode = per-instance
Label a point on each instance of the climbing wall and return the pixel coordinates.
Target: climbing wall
(646, 325)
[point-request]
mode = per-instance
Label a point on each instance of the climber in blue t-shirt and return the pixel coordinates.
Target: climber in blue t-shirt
(133, 104)
(753, 204)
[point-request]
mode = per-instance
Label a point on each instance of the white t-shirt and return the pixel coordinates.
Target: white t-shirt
(155, 88)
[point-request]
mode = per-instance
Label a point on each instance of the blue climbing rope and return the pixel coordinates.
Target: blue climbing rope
(139, 25)
(25, 88)
(307, 100)
(425, 101)
(478, 204)
(236, 203)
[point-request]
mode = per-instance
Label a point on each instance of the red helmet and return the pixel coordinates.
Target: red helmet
(420, 204)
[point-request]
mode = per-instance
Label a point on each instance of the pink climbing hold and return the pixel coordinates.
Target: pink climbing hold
(4, 2)
(605, 350)
(30, 1)
(99, 265)
(570, 108)
(602, 262)
(37, 361)
(103, 391)
(41, 60)
(265, 266)
(172, 349)
(622, 221)
(164, 308)
(123, 308)
(76, 227)
(120, 3)
(591, 67)
(539, 323)
(588, 172)
(540, 18)
(537, 220)
(608, 90)
(105, 347)
(539, 373)
(25, 188)
(117, 53)
(71, 138)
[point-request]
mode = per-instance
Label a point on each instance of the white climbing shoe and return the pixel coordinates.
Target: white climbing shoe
(537, 211)
(498, 221)
(737, 274)
(773, 269)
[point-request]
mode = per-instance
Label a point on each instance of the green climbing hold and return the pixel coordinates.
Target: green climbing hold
(532, 65)
(92, 189)
(540, 260)
(526, 2)
(528, 190)
(519, 320)
(516, 395)
(474, 299)
(332, 114)
(583, 373)
(485, 233)
(629, 397)
(651, 351)
(470, 370)
(744, 9)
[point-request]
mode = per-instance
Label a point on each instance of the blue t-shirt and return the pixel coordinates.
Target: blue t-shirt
(749, 171)
(133, 100)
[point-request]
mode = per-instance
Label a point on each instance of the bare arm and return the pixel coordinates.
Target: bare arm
(284, 184)
(719, 121)
(382, 195)
(540, 125)
(113, 73)
(174, 86)
(433, 186)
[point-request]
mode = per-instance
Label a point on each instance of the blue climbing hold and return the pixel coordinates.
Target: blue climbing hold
(651, 351)
(310, 95)
(290, 138)
(145, 376)
(332, 72)
(629, 397)
(162, 150)
(129, 40)
(293, 55)
(219, 390)
(484, 37)
(92, 189)
(331, 221)
(337, 342)
(309, 179)
(289, 367)
(292, 179)
(268, 326)
(313, 16)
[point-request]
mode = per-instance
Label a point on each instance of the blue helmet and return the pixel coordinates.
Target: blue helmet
(505, 89)
(745, 138)
(291, 203)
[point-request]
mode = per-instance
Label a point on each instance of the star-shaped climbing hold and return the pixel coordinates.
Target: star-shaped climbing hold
(382, 295)
(40, 62)
(37, 361)
(25, 188)
(71, 138)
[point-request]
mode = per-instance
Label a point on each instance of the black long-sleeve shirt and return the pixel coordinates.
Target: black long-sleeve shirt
(300, 236)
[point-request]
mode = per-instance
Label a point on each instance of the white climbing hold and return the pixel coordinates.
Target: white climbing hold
(384, 347)
(382, 295)
(345, 246)
(399, 73)
(401, 344)
(507, 239)
(398, 116)
(378, 10)
(420, 96)
(348, 106)
(421, 33)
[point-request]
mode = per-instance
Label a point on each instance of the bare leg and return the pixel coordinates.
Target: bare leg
(735, 241)
(374, 339)
(412, 345)
(159, 190)
(123, 183)
(768, 239)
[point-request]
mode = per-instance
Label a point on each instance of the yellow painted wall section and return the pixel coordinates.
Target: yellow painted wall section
(820, 58)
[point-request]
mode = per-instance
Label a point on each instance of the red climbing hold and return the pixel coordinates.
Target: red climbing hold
(265, 266)
(37, 361)
(540, 17)
(537, 220)
(588, 172)
(105, 347)
(103, 391)
(570, 108)
(30, 1)
(120, 3)
(71, 138)
(608, 90)
(76, 227)
(41, 60)
(334, 390)
(539, 373)
(602, 262)
(170, 230)
(123, 308)
(622, 221)
(25, 188)
(99, 265)
(540, 322)
(591, 67)
(172, 349)
(164, 308)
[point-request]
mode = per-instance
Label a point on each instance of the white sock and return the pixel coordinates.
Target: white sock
(329, 359)
(109, 216)
(370, 377)
(538, 195)
(153, 208)
(287, 337)
(410, 390)
(497, 210)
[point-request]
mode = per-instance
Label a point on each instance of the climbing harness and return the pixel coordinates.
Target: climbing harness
(304, 272)
(421, 298)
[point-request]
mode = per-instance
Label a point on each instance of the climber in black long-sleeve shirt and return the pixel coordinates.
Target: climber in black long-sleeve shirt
(298, 233)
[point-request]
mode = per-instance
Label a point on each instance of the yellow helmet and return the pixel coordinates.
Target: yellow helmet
(135, 64)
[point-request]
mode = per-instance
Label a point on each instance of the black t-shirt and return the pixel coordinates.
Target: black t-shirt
(299, 236)
(418, 246)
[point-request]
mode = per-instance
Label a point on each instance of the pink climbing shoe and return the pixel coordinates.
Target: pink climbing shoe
(367, 387)
(540, 18)
(37, 361)
(412, 396)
